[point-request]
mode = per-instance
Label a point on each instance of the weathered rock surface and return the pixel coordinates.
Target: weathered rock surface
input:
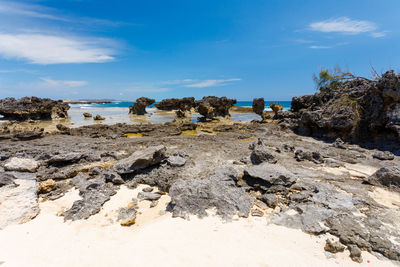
(183, 104)
(87, 115)
(266, 175)
(176, 161)
(333, 247)
(127, 216)
(259, 106)
(18, 204)
(211, 107)
(261, 153)
(139, 107)
(383, 155)
(21, 165)
(148, 196)
(315, 157)
(32, 108)
(140, 160)
(98, 118)
(357, 110)
(94, 196)
(195, 196)
(386, 176)
(7, 179)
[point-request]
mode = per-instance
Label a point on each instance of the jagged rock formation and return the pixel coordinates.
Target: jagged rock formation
(183, 104)
(32, 108)
(211, 107)
(357, 110)
(139, 107)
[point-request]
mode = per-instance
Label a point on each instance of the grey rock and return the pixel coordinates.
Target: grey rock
(148, 196)
(71, 157)
(98, 118)
(386, 176)
(339, 144)
(154, 203)
(228, 175)
(261, 153)
(127, 216)
(3, 157)
(383, 155)
(7, 179)
(176, 161)
(270, 199)
(87, 115)
(94, 197)
(265, 175)
(139, 107)
(315, 157)
(18, 204)
(21, 165)
(148, 189)
(355, 253)
(195, 196)
(141, 159)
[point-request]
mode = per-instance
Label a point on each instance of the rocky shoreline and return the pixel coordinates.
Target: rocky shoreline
(319, 177)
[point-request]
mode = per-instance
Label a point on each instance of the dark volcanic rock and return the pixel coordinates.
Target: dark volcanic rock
(32, 108)
(139, 107)
(183, 104)
(211, 107)
(29, 134)
(140, 160)
(258, 106)
(195, 196)
(357, 110)
(87, 115)
(386, 176)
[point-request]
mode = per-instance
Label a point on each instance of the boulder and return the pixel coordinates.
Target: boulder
(383, 155)
(87, 115)
(21, 165)
(258, 106)
(34, 108)
(211, 107)
(266, 175)
(195, 196)
(139, 107)
(182, 104)
(98, 118)
(261, 153)
(140, 160)
(276, 108)
(176, 161)
(315, 157)
(333, 247)
(386, 176)
(357, 110)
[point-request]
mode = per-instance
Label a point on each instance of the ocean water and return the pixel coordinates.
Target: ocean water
(286, 105)
(118, 112)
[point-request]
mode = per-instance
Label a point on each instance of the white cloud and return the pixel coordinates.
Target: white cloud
(212, 83)
(378, 34)
(319, 47)
(50, 49)
(344, 25)
(62, 83)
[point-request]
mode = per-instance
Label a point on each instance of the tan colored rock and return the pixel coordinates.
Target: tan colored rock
(47, 186)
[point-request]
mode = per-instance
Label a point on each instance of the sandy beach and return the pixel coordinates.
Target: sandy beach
(158, 239)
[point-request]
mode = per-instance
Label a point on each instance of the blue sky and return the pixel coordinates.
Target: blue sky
(242, 49)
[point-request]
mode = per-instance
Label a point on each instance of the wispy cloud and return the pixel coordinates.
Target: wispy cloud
(146, 89)
(49, 49)
(212, 83)
(62, 83)
(320, 47)
(344, 25)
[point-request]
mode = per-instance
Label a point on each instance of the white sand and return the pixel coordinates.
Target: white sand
(159, 240)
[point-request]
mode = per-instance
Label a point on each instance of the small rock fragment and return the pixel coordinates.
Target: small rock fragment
(257, 213)
(148, 196)
(47, 186)
(333, 247)
(355, 253)
(383, 155)
(127, 216)
(176, 161)
(21, 165)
